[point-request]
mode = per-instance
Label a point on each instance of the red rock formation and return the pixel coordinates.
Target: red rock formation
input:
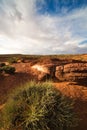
(71, 72)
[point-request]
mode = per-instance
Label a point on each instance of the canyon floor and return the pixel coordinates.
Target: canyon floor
(67, 73)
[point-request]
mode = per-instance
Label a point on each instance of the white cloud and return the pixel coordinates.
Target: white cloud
(23, 30)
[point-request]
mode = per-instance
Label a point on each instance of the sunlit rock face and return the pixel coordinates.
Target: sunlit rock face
(40, 68)
(44, 72)
(41, 72)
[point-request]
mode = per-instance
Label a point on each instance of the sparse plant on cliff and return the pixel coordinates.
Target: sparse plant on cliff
(38, 107)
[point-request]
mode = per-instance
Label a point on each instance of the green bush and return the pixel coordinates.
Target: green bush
(8, 69)
(12, 60)
(38, 107)
(2, 64)
(1, 70)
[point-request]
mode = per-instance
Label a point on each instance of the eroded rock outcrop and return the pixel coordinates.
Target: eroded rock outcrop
(67, 72)
(44, 72)
(72, 72)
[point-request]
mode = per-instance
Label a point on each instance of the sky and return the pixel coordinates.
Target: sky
(43, 27)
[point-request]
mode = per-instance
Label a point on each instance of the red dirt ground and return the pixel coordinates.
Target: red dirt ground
(79, 93)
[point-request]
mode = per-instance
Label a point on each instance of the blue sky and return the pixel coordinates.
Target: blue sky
(56, 6)
(43, 26)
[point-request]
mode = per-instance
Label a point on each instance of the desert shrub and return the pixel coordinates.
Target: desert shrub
(0, 119)
(38, 107)
(1, 70)
(2, 64)
(8, 69)
(13, 60)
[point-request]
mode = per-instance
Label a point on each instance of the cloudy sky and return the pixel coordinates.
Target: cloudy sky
(43, 26)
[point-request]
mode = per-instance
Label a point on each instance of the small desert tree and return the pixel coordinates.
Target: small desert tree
(38, 107)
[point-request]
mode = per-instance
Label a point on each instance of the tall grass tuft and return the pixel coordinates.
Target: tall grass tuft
(38, 107)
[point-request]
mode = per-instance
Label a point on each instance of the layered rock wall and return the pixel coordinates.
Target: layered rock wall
(72, 72)
(67, 72)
